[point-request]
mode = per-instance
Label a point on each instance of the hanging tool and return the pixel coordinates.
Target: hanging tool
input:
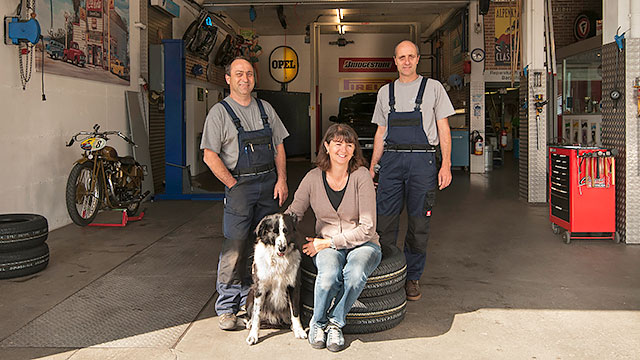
(539, 104)
(23, 30)
(636, 85)
(615, 94)
(587, 161)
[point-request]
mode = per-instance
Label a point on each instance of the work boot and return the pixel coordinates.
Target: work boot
(413, 290)
(335, 339)
(227, 321)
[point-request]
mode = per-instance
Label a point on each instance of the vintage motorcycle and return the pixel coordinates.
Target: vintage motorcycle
(101, 179)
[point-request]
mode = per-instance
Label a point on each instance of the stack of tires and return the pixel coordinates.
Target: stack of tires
(382, 304)
(23, 250)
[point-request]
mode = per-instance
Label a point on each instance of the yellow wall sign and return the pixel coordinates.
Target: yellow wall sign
(283, 64)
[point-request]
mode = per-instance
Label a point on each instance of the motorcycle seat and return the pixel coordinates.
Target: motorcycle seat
(127, 160)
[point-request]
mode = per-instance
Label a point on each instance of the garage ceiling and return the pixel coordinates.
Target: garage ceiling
(298, 14)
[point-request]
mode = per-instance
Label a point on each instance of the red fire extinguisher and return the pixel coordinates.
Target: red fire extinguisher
(503, 138)
(478, 143)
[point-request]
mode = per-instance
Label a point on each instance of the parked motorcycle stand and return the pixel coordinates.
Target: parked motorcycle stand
(125, 219)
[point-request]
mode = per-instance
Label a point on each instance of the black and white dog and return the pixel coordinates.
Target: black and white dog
(274, 297)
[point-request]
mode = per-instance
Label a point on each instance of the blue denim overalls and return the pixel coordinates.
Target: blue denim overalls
(246, 203)
(407, 171)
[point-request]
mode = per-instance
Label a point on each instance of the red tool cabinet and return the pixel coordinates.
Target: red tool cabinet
(582, 193)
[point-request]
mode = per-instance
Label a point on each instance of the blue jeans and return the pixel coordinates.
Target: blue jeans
(342, 275)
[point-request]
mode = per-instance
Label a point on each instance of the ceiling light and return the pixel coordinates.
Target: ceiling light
(339, 14)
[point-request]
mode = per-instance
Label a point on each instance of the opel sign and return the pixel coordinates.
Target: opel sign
(283, 64)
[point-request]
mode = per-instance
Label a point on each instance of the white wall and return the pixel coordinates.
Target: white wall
(35, 163)
(365, 45)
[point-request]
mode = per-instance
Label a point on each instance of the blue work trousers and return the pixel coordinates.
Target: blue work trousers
(409, 177)
(246, 204)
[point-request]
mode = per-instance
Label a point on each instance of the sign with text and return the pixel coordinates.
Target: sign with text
(361, 85)
(366, 65)
(283, 64)
(505, 25)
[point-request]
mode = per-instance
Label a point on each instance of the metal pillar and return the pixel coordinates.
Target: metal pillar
(477, 88)
(176, 174)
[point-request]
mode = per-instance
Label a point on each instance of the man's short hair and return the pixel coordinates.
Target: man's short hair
(412, 43)
(227, 68)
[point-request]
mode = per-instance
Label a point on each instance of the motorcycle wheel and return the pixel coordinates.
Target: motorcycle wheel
(83, 205)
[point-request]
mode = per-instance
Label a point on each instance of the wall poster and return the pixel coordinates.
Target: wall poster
(87, 39)
(505, 21)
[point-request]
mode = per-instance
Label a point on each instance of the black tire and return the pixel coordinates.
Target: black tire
(222, 55)
(566, 237)
(555, 228)
(387, 278)
(24, 262)
(368, 314)
(22, 231)
(375, 286)
(79, 180)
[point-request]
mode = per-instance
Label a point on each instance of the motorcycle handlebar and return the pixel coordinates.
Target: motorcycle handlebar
(103, 134)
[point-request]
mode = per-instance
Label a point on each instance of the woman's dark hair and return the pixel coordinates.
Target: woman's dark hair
(345, 133)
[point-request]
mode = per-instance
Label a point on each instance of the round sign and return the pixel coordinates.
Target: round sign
(283, 64)
(584, 27)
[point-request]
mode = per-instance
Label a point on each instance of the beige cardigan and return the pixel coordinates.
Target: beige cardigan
(354, 223)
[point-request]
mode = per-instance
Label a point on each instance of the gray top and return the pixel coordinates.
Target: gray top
(353, 223)
(435, 105)
(221, 136)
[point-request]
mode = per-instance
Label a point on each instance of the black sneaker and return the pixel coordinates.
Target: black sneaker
(335, 339)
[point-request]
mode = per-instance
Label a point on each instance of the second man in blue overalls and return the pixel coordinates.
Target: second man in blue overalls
(411, 114)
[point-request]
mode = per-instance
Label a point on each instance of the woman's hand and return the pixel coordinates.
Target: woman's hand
(314, 245)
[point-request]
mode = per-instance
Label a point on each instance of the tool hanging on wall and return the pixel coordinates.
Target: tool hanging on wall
(539, 104)
(636, 85)
(23, 30)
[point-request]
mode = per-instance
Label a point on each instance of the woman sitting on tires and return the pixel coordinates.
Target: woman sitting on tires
(346, 249)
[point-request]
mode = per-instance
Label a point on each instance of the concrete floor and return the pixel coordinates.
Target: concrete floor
(498, 285)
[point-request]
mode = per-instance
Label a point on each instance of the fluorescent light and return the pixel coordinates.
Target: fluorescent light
(338, 15)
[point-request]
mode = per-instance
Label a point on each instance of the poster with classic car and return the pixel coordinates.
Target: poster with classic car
(87, 39)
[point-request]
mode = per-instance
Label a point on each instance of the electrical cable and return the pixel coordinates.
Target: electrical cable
(44, 97)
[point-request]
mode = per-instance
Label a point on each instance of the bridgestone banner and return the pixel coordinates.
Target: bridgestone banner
(366, 65)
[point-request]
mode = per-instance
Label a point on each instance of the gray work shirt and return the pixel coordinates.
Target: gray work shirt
(435, 105)
(221, 136)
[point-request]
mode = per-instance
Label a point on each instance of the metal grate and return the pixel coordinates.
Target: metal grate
(613, 124)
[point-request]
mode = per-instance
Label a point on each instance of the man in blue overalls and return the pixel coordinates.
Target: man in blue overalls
(242, 142)
(411, 114)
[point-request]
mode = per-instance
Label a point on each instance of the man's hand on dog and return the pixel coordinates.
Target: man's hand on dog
(314, 245)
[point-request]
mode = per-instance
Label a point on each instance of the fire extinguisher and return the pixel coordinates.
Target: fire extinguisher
(503, 138)
(478, 142)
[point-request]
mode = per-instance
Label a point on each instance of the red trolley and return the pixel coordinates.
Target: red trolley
(582, 193)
